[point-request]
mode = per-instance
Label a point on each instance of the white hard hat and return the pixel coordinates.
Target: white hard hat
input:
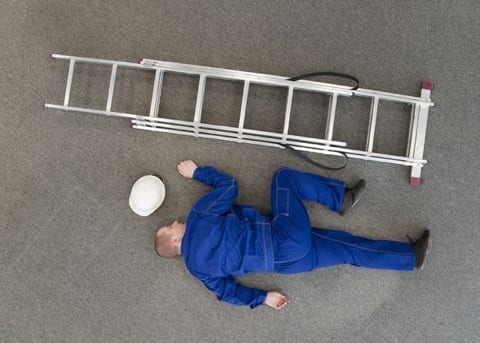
(147, 194)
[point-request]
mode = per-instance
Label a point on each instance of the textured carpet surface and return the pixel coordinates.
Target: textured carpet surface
(76, 265)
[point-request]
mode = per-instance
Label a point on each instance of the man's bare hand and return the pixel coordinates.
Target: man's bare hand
(276, 300)
(187, 168)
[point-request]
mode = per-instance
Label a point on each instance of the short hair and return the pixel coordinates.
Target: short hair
(163, 246)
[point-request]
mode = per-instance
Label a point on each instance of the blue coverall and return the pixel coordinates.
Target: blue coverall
(223, 240)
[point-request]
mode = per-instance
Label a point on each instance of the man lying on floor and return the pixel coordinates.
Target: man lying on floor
(221, 240)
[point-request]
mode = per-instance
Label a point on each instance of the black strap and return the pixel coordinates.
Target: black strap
(304, 157)
(327, 73)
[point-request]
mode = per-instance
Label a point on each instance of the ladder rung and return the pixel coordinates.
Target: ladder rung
(331, 117)
(111, 87)
(413, 129)
(288, 110)
(200, 95)
(372, 123)
(156, 93)
(68, 89)
(243, 109)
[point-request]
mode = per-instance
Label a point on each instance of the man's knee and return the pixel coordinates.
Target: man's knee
(283, 173)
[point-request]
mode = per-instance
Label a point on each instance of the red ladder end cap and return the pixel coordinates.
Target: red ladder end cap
(428, 85)
(139, 60)
(416, 181)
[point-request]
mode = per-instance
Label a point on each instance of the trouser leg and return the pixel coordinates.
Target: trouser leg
(291, 223)
(334, 247)
(307, 186)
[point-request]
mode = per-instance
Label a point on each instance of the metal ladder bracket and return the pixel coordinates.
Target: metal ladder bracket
(418, 131)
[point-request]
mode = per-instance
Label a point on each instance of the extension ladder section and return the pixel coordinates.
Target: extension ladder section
(325, 145)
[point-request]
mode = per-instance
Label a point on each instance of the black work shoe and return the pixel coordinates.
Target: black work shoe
(421, 246)
(352, 196)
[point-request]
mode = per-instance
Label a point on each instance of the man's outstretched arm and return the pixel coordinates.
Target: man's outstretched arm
(229, 290)
(225, 191)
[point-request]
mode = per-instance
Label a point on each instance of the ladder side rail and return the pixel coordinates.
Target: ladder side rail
(274, 80)
(326, 150)
(374, 155)
(202, 135)
(421, 133)
(227, 74)
(280, 82)
(93, 111)
(358, 154)
(278, 139)
(159, 121)
(316, 140)
(369, 93)
(372, 124)
(195, 130)
(419, 145)
(418, 130)
(256, 77)
(231, 133)
(205, 135)
(111, 87)
(101, 61)
(199, 132)
(365, 157)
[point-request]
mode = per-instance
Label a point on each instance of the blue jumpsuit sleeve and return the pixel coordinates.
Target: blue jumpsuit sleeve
(222, 197)
(229, 290)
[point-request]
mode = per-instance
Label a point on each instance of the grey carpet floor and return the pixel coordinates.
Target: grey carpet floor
(76, 265)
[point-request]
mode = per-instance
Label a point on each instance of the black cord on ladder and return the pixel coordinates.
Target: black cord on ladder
(328, 73)
(302, 155)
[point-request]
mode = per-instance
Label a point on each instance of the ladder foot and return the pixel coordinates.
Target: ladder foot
(139, 60)
(428, 85)
(416, 181)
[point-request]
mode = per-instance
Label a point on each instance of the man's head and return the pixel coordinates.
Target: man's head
(168, 239)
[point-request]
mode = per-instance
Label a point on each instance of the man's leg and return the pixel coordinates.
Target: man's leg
(334, 247)
(291, 223)
(307, 186)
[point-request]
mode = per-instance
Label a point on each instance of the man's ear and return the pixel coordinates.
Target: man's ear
(176, 241)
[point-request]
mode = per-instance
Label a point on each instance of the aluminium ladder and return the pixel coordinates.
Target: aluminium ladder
(326, 145)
